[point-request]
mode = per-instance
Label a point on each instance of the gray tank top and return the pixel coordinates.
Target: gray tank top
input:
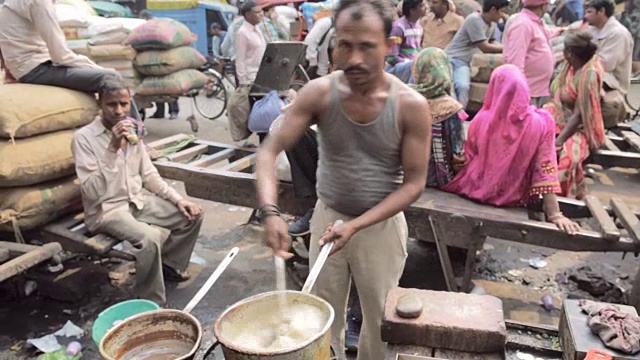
(359, 164)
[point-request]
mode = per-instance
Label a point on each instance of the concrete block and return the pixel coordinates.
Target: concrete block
(456, 321)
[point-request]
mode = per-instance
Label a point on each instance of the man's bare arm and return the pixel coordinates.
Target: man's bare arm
(416, 146)
(489, 47)
(297, 119)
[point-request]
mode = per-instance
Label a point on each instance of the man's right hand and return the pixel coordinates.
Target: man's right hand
(277, 236)
(119, 134)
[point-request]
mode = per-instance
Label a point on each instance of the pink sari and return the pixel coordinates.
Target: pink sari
(511, 159)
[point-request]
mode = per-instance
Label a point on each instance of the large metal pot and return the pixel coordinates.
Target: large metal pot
(240, 316)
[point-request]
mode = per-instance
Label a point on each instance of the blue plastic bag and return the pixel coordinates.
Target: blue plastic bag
(264, 112)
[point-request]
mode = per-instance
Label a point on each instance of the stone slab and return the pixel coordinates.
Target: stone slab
(455, 321)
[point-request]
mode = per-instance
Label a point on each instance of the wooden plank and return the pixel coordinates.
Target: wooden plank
(240, 164)
(573, 208)
(27, 261)
(619, 142)
(102, 243)
(608, 228)
(218, 146)
(16, 249)
(167, 142)
(459, 355)
(510, 224)
(4, 255)
(443, 255)
(632, 138)
(77, 242)
(189, 153)
(609, 145)
(212, 159)
(609, 158)
(627, 218)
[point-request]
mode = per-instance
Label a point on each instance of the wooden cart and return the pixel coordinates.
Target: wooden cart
(621, 147)
(225, 173)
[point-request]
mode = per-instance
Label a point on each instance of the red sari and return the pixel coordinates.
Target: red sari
(581, 89)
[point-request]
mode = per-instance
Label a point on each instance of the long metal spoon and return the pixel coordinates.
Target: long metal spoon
(322, 258)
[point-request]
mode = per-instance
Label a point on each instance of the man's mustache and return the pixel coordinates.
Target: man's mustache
(354, 69)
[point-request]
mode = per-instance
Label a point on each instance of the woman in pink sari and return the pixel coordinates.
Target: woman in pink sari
(511, 157)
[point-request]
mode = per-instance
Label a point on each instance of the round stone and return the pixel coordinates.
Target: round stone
(409, 306)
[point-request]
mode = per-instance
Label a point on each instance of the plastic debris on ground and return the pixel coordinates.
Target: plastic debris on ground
(49, 343)
(197, 259)
(524, 356)
(537, 263)
(547, 302)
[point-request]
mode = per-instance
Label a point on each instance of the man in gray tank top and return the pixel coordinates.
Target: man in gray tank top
(374, 137)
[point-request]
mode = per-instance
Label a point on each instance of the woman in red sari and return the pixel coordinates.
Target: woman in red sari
(576, 110)
(511, 160)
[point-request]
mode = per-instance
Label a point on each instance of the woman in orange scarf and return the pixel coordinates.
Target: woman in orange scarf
(576, 110)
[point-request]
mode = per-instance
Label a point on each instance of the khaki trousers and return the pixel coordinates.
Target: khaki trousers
(238, 110)
(161, 235)
(374, 258)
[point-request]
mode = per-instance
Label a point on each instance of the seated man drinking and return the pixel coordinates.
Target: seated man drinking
(114, 169)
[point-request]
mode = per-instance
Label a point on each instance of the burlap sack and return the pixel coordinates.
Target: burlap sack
(111, 52)
(482, 66)
(159, 63)
(238, 109)
(613, 109)
(175, 84)
(28, 110)
(36, 159)
(34, 206)
(160, 34)
(477, 92)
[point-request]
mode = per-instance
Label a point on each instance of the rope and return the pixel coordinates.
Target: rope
(177, 146)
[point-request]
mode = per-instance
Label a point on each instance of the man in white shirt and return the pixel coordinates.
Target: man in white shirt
(250, 47)
(615, 44)
(250, 44)
(35, 51)
(317, 42)
(615, 48)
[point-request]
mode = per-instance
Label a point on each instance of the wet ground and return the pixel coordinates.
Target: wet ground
(502, 268)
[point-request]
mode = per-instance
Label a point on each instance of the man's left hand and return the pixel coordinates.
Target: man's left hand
(190, 210)
(338, 234)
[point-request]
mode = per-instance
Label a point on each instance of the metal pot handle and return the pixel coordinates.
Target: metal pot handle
(206, 349)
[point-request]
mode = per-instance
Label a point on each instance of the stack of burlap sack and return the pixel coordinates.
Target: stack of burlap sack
(37, 174)
(166, 62)
(101, 39)
(482, 65)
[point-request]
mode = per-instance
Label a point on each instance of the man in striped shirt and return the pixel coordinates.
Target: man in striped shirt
(407, 37)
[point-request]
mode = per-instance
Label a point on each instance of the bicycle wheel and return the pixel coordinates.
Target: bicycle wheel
(211, 101)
